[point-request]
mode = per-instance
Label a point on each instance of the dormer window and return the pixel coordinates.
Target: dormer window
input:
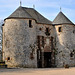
(60, 29)
(30, 23)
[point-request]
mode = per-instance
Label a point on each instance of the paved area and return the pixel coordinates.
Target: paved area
(33, 71)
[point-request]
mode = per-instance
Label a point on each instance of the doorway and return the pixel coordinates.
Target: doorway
(47, 59)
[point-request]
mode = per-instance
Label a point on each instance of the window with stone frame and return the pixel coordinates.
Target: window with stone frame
(71, 54)
(60, 29)
(47, 32)
(30, 23)
(8, 58)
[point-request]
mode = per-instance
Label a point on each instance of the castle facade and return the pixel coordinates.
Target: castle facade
(31, 40)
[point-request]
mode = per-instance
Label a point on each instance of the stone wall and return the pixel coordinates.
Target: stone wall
(19, 43)
(46, 45)
(41, 31)
(65, 45)
(0, 55)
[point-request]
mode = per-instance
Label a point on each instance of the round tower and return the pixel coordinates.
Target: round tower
(19, 39)
(65, 41)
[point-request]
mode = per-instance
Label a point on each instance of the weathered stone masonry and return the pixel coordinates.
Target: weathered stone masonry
(65, 45)
(30, 40)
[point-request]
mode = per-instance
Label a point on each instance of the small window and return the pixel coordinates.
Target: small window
(8, 58)
(73, 31)
(30, 23)
(60, 29)
(71, 54)
(40, 29)
(47, 30)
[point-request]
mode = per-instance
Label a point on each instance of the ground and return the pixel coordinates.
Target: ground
(32, 71)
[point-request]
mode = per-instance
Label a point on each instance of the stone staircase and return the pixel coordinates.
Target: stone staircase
(2, 64)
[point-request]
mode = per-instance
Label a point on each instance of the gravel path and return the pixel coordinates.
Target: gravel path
(33, 71)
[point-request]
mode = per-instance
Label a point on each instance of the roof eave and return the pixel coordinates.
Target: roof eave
(63, 24)
(26, 18)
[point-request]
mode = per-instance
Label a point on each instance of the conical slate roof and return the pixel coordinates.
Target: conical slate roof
(61, 19)
(29, 13)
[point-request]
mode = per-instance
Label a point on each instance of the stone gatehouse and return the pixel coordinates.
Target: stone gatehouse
(31, 40)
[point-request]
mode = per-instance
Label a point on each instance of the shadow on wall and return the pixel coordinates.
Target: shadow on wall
(64, 56)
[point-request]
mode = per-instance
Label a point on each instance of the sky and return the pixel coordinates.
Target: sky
(48, 8)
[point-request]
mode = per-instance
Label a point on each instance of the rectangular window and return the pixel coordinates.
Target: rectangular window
(60, 29)
(47, 30)
(43, 41)
(30, 23)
